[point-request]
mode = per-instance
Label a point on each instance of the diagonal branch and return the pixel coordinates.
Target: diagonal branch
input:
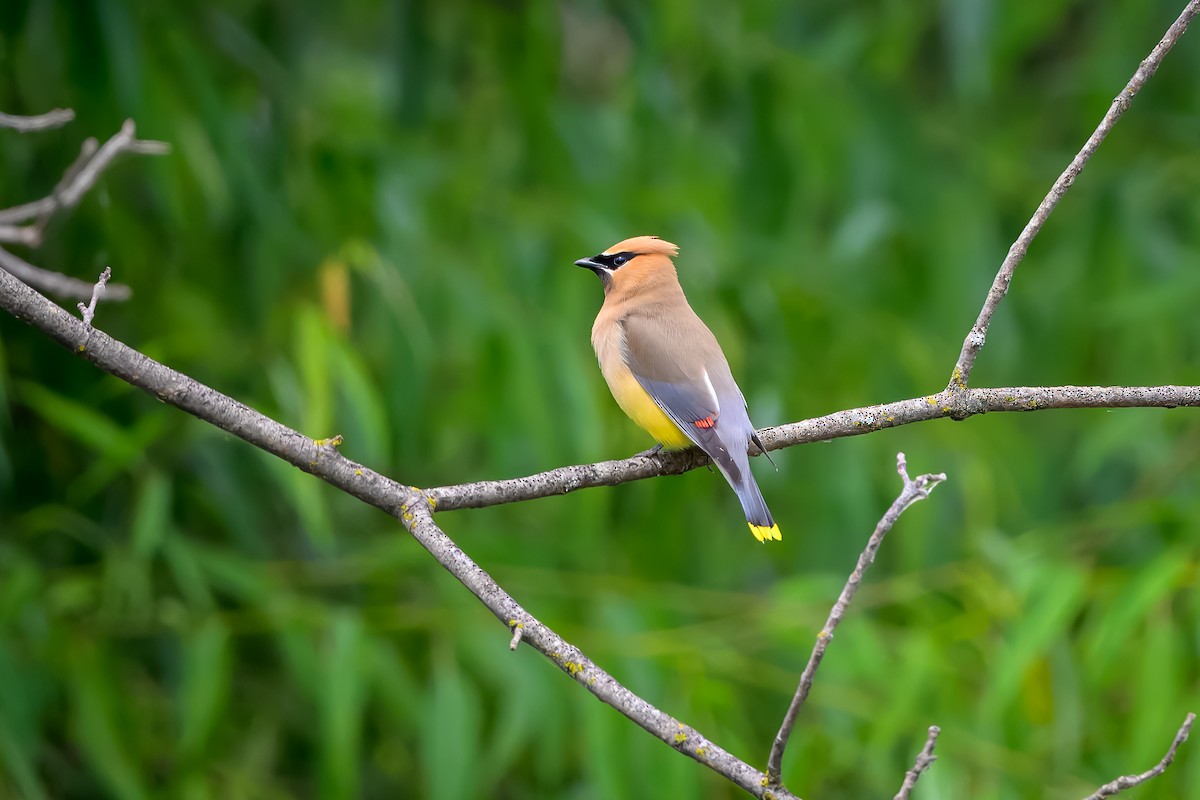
(851, 422)
(47, 205)
(56, 283)
(924, 761)
(1120, 104)
(1129, 781)
(418, 518)
(912, 491)
(197, 399)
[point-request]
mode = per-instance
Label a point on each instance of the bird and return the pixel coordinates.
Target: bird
(666, 370)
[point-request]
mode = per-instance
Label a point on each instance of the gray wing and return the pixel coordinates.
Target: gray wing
(682, 368)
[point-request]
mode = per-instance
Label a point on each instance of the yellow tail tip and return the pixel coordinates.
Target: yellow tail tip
(763, 533)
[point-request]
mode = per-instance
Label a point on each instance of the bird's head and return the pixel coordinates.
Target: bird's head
(633, 262)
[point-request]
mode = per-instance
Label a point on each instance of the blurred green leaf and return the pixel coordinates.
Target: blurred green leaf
(450, 748)
(204, 686)
(1052, 605)
(342, 699)
(19, 766)
(96, 722)
(151, 515)
(79, 421)
(1130, 607)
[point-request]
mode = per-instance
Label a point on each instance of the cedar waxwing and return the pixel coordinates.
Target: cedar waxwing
(666, 370)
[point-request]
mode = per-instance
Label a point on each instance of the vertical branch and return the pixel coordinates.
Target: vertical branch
(913, 491)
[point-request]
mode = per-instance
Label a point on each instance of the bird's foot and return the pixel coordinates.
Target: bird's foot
(650, 452)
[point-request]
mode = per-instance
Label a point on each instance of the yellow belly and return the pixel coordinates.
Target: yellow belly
(642, 409)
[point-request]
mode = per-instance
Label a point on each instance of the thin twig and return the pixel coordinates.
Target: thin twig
(58, 284)
(1129, 781)
(924, 761)
(87, 151)
(960, 377)
(852, 422)
(89, 311)
(47, 205)
(51, 119)
(122, 141)
(912, 491)
(518, 632)
(148, 147)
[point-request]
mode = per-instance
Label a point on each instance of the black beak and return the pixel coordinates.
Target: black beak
(602, 270)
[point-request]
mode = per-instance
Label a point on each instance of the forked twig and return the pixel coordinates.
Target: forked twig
(77, 180)
(89, 311)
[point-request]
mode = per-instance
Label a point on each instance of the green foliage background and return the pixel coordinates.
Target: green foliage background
(367, 227)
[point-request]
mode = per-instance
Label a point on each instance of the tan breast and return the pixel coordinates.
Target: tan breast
(608, 340)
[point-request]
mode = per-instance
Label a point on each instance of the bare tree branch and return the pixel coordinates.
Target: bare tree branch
(51, 119)
(912, 491)
(75, 182)
(924, 761)
(56, 283)
(79, 178)
(406, 503)
(687, 740)
(1129, 781)
(122, 141)
(852, 422)
(977, 336)
(48, 204)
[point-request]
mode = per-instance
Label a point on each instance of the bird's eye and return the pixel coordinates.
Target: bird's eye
(619, 260)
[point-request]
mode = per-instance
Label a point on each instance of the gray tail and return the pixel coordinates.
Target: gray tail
(753, 503)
